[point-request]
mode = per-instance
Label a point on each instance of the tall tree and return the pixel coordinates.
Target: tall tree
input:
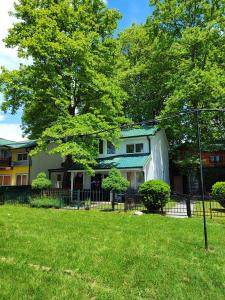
(179, 65)
(70, 87)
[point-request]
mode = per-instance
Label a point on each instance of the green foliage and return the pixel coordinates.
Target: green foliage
(115, 181)
(155, 194)
(71, 85)
(218, 192)
(174, 61)
(45, 202)
(41, 182)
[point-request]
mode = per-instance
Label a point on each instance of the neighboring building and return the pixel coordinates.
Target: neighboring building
(213, 169)
(52, 165)
(141, 156)
(18, 168)
(15, 164)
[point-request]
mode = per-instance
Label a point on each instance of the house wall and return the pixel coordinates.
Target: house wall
(121, 147)
(42, 162)
(158, 165)
(21, 169)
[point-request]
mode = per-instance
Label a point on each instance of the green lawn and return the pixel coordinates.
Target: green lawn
(58, 254)
(213, 209)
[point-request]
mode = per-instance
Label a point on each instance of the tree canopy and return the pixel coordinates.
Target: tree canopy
(70, 86)
(175, 61)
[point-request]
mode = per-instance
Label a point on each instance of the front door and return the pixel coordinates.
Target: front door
(96, 182)
(78, 181)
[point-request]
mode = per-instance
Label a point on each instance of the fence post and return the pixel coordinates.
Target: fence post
(78, 199)
(113, 200)
(188, 206)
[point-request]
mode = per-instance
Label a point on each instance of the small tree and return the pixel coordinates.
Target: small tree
(115, 181)
(41, 182)
(155, 194)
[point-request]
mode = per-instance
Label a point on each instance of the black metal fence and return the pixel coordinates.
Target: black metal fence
(181, 206)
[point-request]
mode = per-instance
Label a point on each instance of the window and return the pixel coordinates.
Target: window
(140, 178)
(100, 147)
(4, 154)
(215, 158)
(5, 180)
(110, 148)
(59, 177)
(130, 148)
(21, 156)
(139, 148)
(130, 178)
(22, 179)
(135, 148)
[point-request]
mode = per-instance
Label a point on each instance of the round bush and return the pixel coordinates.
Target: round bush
(155, 194)
(41, 182)
(218, 192)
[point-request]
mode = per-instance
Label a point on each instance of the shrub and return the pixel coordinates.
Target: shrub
(115, 181)
(41, 182)
(218, 192)
(155, 194)
(45, 202)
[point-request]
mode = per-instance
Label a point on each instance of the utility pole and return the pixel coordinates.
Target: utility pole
(202, 178)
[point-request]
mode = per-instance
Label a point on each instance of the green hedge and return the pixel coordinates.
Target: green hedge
(155, 194)
(46, 202)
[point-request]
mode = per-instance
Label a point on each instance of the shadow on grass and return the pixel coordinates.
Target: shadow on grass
(222, 210)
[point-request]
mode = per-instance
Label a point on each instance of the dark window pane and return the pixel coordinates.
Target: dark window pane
(24, 179)
(139, 148)
(110, 148)
(18, 180)
(100, 147)
(130, 148)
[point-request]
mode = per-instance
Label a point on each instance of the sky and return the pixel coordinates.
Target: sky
(133, 11)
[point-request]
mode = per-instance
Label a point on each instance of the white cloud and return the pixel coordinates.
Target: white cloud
(2, 117)
(8, 57)
(11, 132)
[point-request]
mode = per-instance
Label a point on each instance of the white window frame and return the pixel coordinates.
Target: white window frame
(134, 144)
(22, 153)
(5, 175)
(22, 174)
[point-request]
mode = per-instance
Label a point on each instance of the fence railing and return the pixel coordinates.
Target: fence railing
(178, 206)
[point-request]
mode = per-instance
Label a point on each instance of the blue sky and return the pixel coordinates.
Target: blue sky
(133, 11)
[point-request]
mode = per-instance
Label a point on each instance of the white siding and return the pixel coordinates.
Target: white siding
(158, 166)
(122, 146)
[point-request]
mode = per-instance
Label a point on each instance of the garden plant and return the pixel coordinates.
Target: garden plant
(155, 194)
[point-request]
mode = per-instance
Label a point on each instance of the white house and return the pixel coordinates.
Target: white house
(142, 155)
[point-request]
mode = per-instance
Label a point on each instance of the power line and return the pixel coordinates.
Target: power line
(141, 123)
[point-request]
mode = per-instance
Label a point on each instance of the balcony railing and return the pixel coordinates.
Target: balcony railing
(5, 162)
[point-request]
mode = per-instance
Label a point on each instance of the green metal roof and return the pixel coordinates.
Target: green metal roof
(17, 145)
(119, 162)
(142, 131)
(4, 142)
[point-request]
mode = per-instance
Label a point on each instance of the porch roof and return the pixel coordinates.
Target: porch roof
(119, 162)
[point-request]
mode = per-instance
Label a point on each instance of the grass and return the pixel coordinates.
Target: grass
(213, 209)
(59, 254)
(47, 202)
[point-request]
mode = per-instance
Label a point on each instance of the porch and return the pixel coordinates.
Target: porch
(80, 180)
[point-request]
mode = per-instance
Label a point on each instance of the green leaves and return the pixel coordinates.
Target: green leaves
(115, 181)
(71, 86)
